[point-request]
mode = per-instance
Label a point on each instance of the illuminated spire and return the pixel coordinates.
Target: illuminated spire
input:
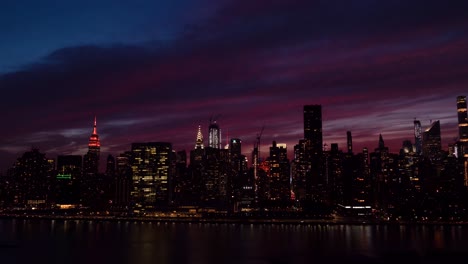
(199, 142)
(94, 144)
(95, 127)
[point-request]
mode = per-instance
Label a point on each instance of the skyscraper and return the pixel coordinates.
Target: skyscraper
(463, 136)
(418, 136)
(280, 189)
(66, 188)
(462, 119)
(151, 174)
(432, 141)
(313, 127)
(199, 141)
(349, 141)
(315, 182)
(94, 144)
(91, 159)
(235, 147)
(214, 134)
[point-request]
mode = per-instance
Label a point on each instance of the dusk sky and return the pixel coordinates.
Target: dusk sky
(155, 70)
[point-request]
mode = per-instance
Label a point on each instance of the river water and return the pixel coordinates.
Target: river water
(74, 241)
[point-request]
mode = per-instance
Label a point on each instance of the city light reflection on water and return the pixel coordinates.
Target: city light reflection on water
(79, 241)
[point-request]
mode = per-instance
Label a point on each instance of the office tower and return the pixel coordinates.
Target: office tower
(91, 159)
(462, 119)
(381, 170)
(182, 184)
(315, 182)
(32, 175)
(69, 166)
(313, 128)
(214, 134)
(122, 181)
(280, 190)
(235, 147)
(210, 174)
(462, 146)
(68, 179)
(199, 141)
(151, 174)
(110, 166)
(349, 141)
(238, 172)
(418, 136)
(432, 141)
(333, 173)
(300, 168)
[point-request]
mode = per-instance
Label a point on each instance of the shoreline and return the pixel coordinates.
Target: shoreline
(241, 221)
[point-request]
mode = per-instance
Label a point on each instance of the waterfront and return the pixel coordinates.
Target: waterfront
(83, 241)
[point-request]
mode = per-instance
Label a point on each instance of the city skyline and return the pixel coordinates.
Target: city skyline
(154, 73)
(204, 141)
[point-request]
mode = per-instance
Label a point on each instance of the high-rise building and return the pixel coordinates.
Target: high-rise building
(418, 136)
(349, 141)
(68, 179)
(122, 181)
(199, 141)
(300, 169)
(462, 119)
(214, 134)
(32, 174)
(110, 166)
(313, 128)
(432, 145)
(280, 189)
(91, 158)
(462, 146)
(151, 174)
(315, 180)
(235, 147)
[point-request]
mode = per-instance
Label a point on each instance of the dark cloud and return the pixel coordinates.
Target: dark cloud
(373, 65)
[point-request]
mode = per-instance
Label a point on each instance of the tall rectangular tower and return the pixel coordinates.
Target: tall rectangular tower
(432, 145)
(462, 119)
(313, 128)
(151, 166)
(463, 136)
(315, 180)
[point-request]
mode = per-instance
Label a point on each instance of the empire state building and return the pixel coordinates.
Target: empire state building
(94, 146)
(91, 159)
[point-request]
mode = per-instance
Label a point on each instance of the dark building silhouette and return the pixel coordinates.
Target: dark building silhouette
(280, 190)
(334, 174)
(313, 128)
(300, 170)
(349, 142)
(122, 182)
(67, 187)
(432, 144)
(316, 188)
(110, 166)
(32, 176)
(182, 183)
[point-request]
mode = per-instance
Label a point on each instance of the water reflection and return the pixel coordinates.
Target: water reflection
(74, 241)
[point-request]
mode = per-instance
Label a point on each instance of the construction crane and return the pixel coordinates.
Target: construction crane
(259, 136)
